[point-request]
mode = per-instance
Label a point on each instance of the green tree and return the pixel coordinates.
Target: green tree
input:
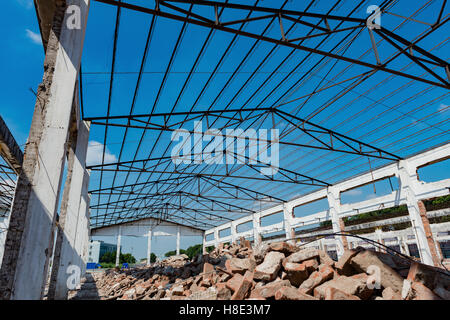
(192, 251)
(173, 253)
(108, 257)
(127, 258)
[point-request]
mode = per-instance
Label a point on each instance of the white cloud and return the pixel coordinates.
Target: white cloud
(354, 192)
(34, 37)
(27, 4)
(371, 196)
(443, 107)
(95, 154)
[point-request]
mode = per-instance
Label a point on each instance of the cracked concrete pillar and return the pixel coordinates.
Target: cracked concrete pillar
(29, 241)
(337, 223)
(65, 253)
(410, 187)
(83, 229)
(119, 239)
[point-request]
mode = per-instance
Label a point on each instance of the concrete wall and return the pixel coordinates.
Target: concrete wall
(141, 228)
(421, 191)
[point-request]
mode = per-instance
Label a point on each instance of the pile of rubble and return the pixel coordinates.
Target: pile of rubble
(280, 271)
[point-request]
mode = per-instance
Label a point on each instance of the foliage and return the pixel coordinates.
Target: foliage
(437, 203)
(107, 265)
(173, 253)
(110, 257)
(192, 251)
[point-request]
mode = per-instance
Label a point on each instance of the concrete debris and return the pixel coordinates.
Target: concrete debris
(279, 271)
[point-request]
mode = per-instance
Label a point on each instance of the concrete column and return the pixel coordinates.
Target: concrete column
(288, 213)
(256, 229)
(119, 238)
(337, 223)
(233, 232)
(29, 240)
(379, 233)
(83, 231)
(410, 187)
(404, 246)
(178, 239)
(149, 246)
(216, 238)
(321, 245)
(204, 242)
(65, 253)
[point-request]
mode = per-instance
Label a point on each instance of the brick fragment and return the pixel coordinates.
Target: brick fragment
(268, 291)
(336, 294)
(354, 286)
(296, 273)
(290, 293)
(421, 292)
(244, 287)
(317, 278)
(236, 265)
(389, 294)
(234, 282)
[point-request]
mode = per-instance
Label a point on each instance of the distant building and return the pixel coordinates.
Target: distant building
(98, 248)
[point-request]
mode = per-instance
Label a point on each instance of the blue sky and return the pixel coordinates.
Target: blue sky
(21, 64)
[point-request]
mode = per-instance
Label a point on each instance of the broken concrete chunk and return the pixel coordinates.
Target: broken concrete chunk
(343, 265)
(236, 265)
(268, 270)
(430, 276)
(367, 261)
(302, 255)
(354, 286)
(284, 247)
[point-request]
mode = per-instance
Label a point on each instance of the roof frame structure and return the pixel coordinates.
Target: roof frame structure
(169, 195)
(361, 23)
